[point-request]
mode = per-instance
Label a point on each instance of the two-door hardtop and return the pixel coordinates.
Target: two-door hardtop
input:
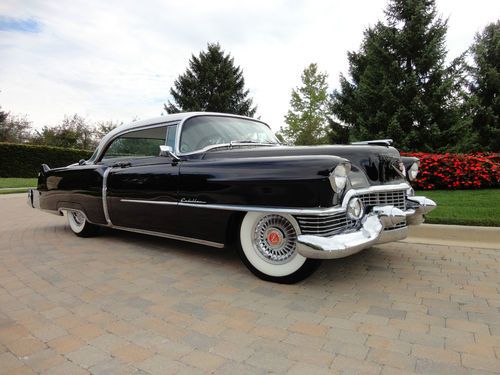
(216, 179)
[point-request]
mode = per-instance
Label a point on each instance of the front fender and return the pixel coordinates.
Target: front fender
(284, 181)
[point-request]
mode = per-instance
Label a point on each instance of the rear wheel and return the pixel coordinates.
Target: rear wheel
(268, 248)
(79, 224)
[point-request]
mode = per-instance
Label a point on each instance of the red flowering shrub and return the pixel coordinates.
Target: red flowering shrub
(457, 171)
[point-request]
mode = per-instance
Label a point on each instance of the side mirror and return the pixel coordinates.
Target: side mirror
(168, 152)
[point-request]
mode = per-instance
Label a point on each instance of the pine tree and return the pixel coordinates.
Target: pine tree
(485, 88)
(399, 86)
(307, 119)
(211, 83)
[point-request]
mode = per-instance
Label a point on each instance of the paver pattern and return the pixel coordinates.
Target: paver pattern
(124, 303)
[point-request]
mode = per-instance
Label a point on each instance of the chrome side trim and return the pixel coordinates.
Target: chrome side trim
(233, 207)
(167, 203)
(105, 195)
(171, 236)
(292, 211)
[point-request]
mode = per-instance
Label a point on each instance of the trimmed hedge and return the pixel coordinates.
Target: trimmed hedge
(457, 171)
(20, 160)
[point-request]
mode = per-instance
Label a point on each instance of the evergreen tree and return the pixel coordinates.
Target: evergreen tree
(484, 103)
(211, 83)
(399, 86)
(308, 118)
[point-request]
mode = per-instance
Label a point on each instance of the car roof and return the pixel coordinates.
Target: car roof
(171, 117)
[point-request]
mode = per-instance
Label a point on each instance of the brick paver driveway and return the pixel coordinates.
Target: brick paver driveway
(123, 303)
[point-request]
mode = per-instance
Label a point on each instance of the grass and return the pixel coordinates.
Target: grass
(16, 185)
(465, 207)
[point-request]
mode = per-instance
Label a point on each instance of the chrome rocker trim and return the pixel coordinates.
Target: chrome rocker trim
(371, 231)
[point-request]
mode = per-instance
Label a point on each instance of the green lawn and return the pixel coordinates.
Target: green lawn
(465, 207)
(16, 185)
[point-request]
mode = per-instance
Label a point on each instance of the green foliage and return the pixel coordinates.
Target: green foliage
(399, 86)
(211, 83)
(73, 132)
(308, 118)
(484, 103)
(21, 160)
(14, 128)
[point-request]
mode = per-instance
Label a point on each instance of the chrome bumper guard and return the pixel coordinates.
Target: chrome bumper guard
(371, 231)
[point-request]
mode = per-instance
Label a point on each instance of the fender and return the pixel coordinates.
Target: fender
(284, 181)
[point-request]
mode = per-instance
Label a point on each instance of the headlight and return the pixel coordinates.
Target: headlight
(413, 171)
(355, 209)
(338, 178)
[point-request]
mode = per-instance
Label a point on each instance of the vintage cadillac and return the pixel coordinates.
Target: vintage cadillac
(217, 179)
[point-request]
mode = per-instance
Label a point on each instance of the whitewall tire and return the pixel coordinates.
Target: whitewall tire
(79, 224)
(268, 248)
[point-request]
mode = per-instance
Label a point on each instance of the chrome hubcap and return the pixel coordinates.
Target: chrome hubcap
(274, 239)
(78, 218)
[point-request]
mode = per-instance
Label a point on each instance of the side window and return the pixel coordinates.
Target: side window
(171, 133)
(136, 144)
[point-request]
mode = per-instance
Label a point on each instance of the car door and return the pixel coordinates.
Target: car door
(141, 186)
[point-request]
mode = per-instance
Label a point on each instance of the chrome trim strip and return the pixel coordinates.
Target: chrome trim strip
(292, 211)
(171, 236)
(102, 148)
(167, 203)
(105, 195)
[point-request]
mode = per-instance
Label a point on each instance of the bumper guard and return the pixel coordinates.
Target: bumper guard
(370, 233)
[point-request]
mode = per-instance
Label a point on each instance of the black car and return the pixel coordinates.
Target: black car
(215, 179)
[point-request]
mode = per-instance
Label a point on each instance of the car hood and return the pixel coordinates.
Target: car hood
(376, 162)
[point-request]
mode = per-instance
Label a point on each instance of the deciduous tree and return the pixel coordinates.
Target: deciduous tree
(307, 119)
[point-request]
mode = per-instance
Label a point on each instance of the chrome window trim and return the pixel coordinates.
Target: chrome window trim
(105, 146)
(292, 211)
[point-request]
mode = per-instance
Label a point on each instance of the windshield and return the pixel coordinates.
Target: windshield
(200, 132)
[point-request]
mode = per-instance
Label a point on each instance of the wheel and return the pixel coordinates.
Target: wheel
(268, 248)
(79, 224)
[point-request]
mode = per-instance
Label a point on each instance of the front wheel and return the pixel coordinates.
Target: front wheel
(79, 224)
(268, 248)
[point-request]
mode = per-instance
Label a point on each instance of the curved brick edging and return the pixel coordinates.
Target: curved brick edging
(456, 235)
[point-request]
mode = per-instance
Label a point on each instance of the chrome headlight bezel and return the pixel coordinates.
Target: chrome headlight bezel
(338, 177)
(412, 172)
(355, 209)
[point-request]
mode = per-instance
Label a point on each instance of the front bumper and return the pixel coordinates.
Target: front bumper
(370, 233)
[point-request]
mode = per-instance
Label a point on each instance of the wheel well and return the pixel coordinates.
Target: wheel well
(233, 227)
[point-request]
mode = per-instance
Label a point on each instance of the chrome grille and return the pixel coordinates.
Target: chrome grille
(330, 225)
(394, 198)
(324, 225)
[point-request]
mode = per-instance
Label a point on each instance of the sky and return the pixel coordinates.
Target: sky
(116, 60)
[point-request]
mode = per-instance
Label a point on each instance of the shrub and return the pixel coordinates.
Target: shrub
(20, 160)
(457, 171)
